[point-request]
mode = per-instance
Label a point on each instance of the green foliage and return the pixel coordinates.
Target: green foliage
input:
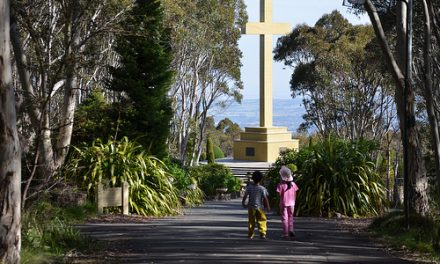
(422, 236)
(334, 176)
(95, 118)
(203, 156)
(207, 33)
(114, 162)
(47, 231)
(223, 135)
(337, 76)
(233, 183)
(210, 151)
(189, 190)
(92, 119)
(144, 73)
(218, 153)
(213, 176)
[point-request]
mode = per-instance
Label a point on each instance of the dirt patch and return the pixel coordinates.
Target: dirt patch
(355, 225)
(120, 219)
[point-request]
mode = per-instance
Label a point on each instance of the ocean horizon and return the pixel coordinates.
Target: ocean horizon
(286, 113)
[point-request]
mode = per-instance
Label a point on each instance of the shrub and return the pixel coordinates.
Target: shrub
(233, 184)
(334, 176)
(93, 119)
(213, 176)
(218, 153)
(210, 151)
(189, 190)
(114, 162)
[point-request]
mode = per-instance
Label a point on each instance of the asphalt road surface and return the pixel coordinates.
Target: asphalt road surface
(217, 233)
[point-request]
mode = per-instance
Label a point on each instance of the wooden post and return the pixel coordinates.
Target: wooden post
(99, 204)
(118, 196)
(125, 195)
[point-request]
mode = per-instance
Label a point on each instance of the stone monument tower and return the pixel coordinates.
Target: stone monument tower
(264, 143)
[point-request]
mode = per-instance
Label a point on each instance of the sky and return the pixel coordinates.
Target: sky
(293, 12)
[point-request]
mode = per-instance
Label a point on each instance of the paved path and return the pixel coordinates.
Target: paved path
(217, 233)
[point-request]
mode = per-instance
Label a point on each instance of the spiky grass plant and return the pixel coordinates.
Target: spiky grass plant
(114, 162)
(334, 176)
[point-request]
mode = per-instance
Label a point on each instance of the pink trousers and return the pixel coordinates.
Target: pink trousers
(287, 218)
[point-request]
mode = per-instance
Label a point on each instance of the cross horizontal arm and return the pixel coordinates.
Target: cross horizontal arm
(256, 28)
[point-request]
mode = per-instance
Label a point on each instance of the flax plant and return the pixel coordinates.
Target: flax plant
(335, 176)
(115, 162)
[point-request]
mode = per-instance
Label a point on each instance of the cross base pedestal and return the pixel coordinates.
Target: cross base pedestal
(263, 143)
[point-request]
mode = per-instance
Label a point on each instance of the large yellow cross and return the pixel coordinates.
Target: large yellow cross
(266, 29)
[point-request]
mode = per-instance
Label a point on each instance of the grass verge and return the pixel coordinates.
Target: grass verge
(420, 240)
(48, 234)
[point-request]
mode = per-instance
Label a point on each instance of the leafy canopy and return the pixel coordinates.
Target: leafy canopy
(342, 83)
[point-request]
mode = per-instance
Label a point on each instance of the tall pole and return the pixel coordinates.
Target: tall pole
(408, 83)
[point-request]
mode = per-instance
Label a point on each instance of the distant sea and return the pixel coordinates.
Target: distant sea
(286, 112)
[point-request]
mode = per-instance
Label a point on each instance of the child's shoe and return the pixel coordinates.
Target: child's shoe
(262, 236)
(291, 233)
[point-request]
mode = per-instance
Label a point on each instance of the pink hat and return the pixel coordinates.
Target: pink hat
(286, 174)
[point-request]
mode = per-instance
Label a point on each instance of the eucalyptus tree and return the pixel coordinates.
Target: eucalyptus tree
(427, 71)
(144, 73)
(205, 37)
(226, 132)
(344, 90)
(405, 95)
(59, 46)
(10, 159)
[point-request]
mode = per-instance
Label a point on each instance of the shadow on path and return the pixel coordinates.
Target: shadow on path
(217, 233)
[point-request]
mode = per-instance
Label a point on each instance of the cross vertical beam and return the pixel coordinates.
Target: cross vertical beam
(266, 29)
(266, 106)
(266, 11)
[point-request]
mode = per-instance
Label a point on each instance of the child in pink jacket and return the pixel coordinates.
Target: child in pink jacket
(287, 193)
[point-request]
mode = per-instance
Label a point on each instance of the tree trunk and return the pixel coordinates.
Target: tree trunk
(23, 74)
(428, 91)
(396, 72)
(10, 160)
(388, 180)
(397, 199)
(199, 139)
(417, 179)
(46, 158)
(434, 19)
(70, 88)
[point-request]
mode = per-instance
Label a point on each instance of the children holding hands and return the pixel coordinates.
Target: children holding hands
(258, 200)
